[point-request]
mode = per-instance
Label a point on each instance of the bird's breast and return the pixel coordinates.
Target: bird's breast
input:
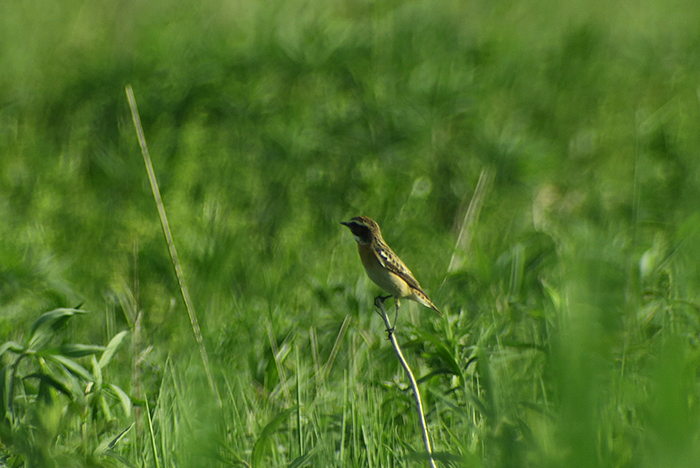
(382, 277)
(369, 259)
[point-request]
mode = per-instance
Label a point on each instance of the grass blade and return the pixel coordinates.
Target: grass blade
(264, 440)
(171, 244)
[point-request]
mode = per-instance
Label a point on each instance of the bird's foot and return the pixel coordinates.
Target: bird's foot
(379, 301)
(379, 304)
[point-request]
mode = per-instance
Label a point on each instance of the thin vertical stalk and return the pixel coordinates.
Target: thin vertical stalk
(379, 302)
(171, 245)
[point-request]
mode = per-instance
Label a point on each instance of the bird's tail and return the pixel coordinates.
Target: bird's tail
(422, 298)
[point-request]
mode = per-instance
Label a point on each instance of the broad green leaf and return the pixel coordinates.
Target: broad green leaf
(123, 398)
(53, 317)
(51, 381)
(11, 346)
(42, 329)
(96, 370)
(112, 348)
(104, 406)
(75, 368)
(72, 350)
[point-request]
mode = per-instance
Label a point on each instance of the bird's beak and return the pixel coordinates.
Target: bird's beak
(345, 224)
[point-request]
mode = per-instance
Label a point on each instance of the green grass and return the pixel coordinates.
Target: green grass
(571, 329)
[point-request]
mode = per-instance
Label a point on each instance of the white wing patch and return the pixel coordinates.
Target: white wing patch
(388, 260)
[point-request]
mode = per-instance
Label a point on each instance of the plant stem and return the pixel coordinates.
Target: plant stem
(171, 244)
(379, 302)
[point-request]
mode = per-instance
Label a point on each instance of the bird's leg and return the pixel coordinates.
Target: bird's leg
(397, 303)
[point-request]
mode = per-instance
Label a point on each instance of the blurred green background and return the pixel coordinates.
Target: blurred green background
(571, 330)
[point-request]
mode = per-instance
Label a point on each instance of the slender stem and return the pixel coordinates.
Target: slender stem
(152, 434)
(379, 302)
(136, 343)
(171, 244)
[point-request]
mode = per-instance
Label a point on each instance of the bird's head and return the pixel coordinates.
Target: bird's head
(364, 229)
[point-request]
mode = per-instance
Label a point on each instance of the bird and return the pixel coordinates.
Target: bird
(383, 266)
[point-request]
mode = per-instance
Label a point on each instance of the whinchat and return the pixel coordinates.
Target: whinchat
(383, 266)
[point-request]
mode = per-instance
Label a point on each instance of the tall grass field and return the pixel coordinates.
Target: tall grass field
(535, 164)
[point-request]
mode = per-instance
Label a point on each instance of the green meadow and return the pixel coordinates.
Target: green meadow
(535, 164)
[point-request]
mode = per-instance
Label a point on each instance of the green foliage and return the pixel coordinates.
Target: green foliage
(572, 324)
(54, 410)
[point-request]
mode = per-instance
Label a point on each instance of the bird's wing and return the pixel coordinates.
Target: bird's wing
(389, 260)
(393, 263)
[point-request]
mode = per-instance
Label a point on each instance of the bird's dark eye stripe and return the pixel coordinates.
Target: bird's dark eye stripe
(360, 230)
